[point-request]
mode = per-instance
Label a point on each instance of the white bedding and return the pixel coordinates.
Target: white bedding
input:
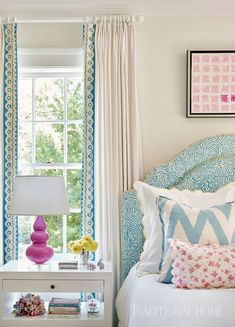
(144, 302)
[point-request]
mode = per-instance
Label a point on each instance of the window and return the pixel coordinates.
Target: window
(50, 144)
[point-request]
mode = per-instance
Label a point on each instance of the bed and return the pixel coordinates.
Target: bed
(206, 165)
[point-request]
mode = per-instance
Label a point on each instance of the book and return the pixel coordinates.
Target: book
(64, 306)
(64, 302)
(63, 316)
(65, 310)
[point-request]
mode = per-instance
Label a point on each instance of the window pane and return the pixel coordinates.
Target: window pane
(74, 187)
(49, 99)
(49, 143)
(73, 227)
(48, 172)
(74, 143)
(25, 99)
(55, 231)
(24, 232)
(25, 143)
(74, 99)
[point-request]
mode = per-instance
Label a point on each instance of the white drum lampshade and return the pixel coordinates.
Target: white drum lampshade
(39, 195)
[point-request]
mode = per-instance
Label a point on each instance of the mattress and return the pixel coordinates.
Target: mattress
(143, 301)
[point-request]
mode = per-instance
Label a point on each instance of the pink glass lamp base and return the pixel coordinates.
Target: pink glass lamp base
(38, 251)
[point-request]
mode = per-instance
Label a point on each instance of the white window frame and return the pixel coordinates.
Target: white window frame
(55, 72)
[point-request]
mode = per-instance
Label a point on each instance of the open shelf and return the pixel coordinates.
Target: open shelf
(8, 315)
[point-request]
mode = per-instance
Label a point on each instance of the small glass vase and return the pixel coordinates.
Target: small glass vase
(93, 307)
(84, 257)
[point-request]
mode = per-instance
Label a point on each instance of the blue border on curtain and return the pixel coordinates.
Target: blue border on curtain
(88, 196)
(10, 136)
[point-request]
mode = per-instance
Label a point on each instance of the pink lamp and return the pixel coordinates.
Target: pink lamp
(33, 195)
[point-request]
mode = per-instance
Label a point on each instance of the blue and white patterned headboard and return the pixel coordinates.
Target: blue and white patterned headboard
(206, 165)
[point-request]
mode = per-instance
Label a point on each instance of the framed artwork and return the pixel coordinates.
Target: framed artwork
(211, 83)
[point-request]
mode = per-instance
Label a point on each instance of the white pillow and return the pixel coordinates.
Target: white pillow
(152, 227)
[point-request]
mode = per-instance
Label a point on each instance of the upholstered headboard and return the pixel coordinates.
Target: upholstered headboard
(206, 165)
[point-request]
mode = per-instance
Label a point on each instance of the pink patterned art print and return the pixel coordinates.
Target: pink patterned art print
(211, 83)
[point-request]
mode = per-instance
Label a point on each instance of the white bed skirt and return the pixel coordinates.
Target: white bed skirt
(144, 302)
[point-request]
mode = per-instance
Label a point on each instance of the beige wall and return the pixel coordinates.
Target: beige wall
(50, 35)
(161, 55)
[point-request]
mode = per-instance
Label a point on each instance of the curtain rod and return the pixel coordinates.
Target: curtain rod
(87, 19)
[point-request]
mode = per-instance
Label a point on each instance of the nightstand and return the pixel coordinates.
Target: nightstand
(20, 277)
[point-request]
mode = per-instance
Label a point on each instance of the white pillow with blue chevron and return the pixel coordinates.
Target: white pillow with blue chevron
(152, 227)
(214, 225)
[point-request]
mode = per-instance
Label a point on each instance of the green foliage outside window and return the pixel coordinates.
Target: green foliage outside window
(50, 148)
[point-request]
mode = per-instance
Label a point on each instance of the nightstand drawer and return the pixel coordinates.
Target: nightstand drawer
(34, 285)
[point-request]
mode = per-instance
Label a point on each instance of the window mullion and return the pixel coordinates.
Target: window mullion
(51, 165)
(33, 123)
(65, 123)
(64, 234)
(72, 121)
(33, 135)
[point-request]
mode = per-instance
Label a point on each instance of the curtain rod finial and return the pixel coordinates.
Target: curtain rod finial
(139, 19)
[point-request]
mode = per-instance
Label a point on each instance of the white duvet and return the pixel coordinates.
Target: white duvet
(144, 302)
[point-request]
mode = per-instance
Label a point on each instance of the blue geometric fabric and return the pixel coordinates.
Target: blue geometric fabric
(87, 197)
(10, 129)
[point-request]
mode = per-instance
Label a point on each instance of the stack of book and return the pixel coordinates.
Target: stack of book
(61, 306)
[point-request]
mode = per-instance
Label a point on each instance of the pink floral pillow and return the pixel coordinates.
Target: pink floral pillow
(195, 266)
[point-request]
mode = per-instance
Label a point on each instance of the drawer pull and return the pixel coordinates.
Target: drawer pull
(52, 286)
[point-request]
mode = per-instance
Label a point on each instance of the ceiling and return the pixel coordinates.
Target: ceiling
(74, 8)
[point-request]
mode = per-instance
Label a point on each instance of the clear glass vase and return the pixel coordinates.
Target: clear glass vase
(93, 307)
(84, 257)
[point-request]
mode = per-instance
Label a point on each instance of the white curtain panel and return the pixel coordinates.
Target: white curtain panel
(118, 158)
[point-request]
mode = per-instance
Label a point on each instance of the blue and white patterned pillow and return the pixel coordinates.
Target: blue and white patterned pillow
(198, 226)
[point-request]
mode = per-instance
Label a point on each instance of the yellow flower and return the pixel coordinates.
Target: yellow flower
(87, 238)
(86, 245)
(77, 248)
(71, 244)
(94, 246)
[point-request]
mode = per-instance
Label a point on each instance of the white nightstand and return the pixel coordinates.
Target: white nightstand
(19, 277)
